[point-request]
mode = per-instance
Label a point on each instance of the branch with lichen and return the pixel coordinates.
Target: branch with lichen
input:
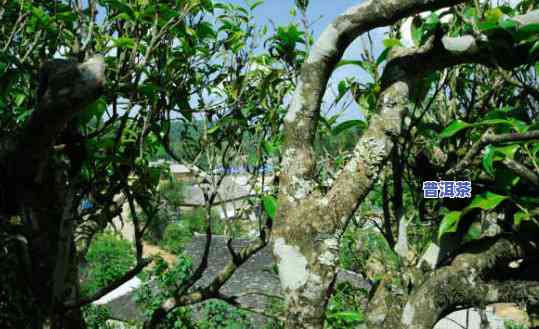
(469, 280)
(488, 138)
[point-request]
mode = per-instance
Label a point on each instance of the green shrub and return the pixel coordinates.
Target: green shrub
(172, 193)
(513, 325)
(167, 280)
(349, 258)
(275, 306)
(108, 258)
(219, 315)
(175, 237)
(96, 317)
(344, 308)
(177, 234)
(196, 221)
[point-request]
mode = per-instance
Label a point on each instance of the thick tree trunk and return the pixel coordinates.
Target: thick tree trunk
(38, 182)
(309, 224)
(307, 269)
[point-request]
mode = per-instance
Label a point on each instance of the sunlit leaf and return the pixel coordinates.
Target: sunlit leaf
(392, 42)
(486, 201)
(449, 223)
(347, 316)
(270, 206)
(454, 128)
(474, 232)
(521, 216)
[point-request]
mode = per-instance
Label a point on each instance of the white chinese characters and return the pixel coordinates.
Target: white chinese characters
(447, 189)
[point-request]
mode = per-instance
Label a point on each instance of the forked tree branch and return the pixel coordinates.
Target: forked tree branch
(211, 290)
(461, 284)
(302, 117)
(406, 65)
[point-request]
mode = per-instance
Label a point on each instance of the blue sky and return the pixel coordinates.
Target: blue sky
(321, 13)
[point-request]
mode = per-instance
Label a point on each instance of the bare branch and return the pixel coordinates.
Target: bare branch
(522, 171)
(221, 202)
(489, 138)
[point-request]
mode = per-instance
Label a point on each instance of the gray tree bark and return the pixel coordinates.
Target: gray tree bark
(308, 223)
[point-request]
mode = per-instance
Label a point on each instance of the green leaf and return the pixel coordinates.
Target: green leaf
(488, 159)
(486, 201)
(486, 26)
(493, 15)
(474, 232)
(270, 206)
(349, 62)
(530, 28)
(508, 151)
(490, 122)
(534, 48)
(347, 316)
(213, 129)
(383, 56)
(508, 24)
(268, 147)
(255, 4)
(19, 99)
(154, 175)
(121, 7)
(417, 35)
(391, 42)
(433, 20)
(535, 149)
(527, 31)
(124, 42)
(343, 126)
(454, 128)
(343, 88)
(470, 12)
(98, 108)
(23, 116)
(449, 223)
(521, 216)
(458, 125)
(517, 125)
(498, 153)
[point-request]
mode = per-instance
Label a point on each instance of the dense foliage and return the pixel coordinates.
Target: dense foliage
(108, 258)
